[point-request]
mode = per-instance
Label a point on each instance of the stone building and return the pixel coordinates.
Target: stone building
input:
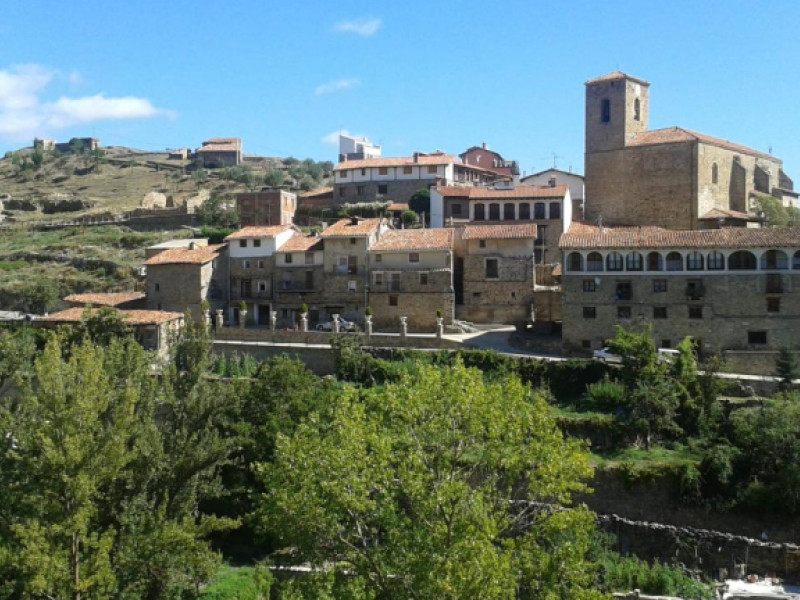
(494, 272)
(411, 275)
(555, 177)
(220, 152)
(482, 156)
(550, 208)
(251, 268)
(153, 329)
(397, 179)
(733, 290)
(667, 177)
(299, 279)
(267, 207)
(180, 279)
(347, 243)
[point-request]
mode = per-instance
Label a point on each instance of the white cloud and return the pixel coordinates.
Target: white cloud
(24, 113)
(365, 27)
(339, 85)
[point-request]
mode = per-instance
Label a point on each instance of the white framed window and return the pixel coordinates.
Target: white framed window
(378, 258)
(423, 278)
(309, 258)
(245, 264)
(288, 258)
(261, 264)
(377, 278)
(262, 286)
(352, 285)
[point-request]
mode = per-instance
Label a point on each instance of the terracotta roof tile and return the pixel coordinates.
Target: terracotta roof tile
(517, 192)
(399, 240)
(131, 317)
(671, 135)
(724, 213)
(256, 231)
(183, 256)
(107, 299)
(499, 232)
(615, 75)
(395, 206)
(300, 242)
(582, 236)
(346, 228)
(321, 191)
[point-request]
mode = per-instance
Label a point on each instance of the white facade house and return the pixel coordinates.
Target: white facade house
(254, 242)
(353, 148)
(554, 177)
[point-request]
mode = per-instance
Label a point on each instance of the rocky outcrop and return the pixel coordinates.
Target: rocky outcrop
(58, 203)
(154, 200)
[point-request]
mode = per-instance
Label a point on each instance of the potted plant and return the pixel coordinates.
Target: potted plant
(368, 311)
(242, 312)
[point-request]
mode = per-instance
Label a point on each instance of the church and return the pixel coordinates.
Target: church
(673, 177)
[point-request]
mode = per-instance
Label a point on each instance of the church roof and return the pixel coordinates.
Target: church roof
(616, 75)
(672, 135)
(724, 213)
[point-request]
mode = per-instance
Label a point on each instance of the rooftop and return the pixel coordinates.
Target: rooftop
(724, 213)
(671, 135)
(257, 231)
(184, 256)
(583, 236)
(400, 240)
(301, 242)
(352, 228)
(107, 299)
(517, 192)
(402, 161)
(614, 76)
(131, 317)
(321, 191)
(182, 243)
(395, 206)
(499, 232)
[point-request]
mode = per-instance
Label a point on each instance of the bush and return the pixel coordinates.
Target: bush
(623, 574)
(605, 396)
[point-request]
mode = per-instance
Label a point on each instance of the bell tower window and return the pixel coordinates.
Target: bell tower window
(714, 173)
(605, 110)
(637, 110)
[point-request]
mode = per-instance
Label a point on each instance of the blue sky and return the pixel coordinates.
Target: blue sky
(413, 75)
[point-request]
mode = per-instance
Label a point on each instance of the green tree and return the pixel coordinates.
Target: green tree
(427, 489)
(786, 366)
(409, 218)
(420, 202)
(216, 213)
(42, 296)
(274, 178)
(37, 157)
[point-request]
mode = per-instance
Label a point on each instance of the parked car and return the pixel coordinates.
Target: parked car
(667, 355)
(344, 325)
(606, 356)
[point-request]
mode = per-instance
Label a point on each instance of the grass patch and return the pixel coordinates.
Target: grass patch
(239, 583)
(12, 265)
(674, 455)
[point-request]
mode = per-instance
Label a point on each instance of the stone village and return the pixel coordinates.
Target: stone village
(663, 229)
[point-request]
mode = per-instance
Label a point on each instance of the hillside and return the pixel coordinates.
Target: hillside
(64, 186)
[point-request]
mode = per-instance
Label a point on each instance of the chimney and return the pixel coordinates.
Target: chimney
(354, 220)
(192, 245)
(416, 156)
(485, 147)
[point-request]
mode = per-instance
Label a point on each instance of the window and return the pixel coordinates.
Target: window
(491, 268)
(633, 262)
(392, 300)
(480, 215)
(655, 262)
(341, 191)
(352, 285)
(524, 211)
(309, 258)
(341, 265)
(714, 174)
(262, 286)
(377, 278)
(245, 264)
(773, 305)
(158, 287)
(494, 212)
(695, 290)
(666, 343)
(587, 344)
(659, 285)
(353, 241)
(539, 210)
(674, 261)
(407, 170)
(614, 261)
(757, 337)
(594, 262)
(694, 261)
(352, 265)
(589, 312)
(394, 282)
(695, 312)
(256, 243)
(261, 264)
(413, 257)
(796, 260)
(423, 279)
(288, 258)
(774, 260)
(716, 261)
(342, 174)
(508, 211)
(555, 210)
(383, 189)
(774, 283)
(589, 285)
(363, 171)
(242, 243)
(383, 170)
(605, 110)
(482, 243)
(575, 262)
(624, 312)
(432, 169)
(637, 110)
(659, 312)
(624, 291)
(455, 209)
(742, 260)
(359, 190)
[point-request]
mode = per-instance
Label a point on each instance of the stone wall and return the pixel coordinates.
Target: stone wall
(397, 191)
(506, 299)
